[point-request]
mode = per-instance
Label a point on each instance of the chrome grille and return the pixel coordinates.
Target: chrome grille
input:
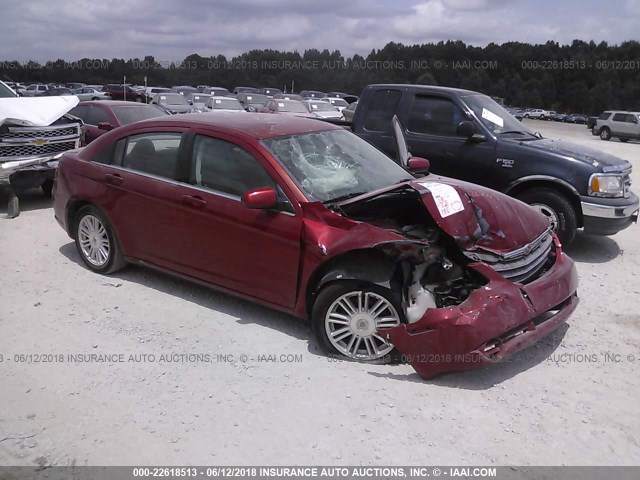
(28, 150)
(522, 265)
(31, 133)
(20, 141)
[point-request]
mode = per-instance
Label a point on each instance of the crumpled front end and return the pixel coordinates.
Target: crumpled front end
(478, 275)
(494, 321)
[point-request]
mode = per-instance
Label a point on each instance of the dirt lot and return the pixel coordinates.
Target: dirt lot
(562, 401)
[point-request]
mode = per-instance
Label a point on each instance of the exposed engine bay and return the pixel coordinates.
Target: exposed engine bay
(432, 270)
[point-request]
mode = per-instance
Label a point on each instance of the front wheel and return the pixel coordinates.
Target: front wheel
(557, 208)
(47, 188)
(605, 133)
(96, 241)
(347, 315)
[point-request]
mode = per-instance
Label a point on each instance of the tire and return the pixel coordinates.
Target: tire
(557, 208)
(47, 188)
(329, 309)
(542, 117)
(624, 140)
(605, 133)
(91, 227)
(95, 98)
(526, 115)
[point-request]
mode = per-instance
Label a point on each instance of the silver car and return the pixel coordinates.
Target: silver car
(90, 93)
(621, 124)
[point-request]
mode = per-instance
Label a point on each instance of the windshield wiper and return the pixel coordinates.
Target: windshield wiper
(345, 197)
(518, 131)
(404, 180)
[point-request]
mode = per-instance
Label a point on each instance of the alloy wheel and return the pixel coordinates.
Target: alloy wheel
(94, 241)
(351, 324)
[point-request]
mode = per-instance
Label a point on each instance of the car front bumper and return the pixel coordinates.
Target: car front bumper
(28, 164)
(494, 322)
(609, 218)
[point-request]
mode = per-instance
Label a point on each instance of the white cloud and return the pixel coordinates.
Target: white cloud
(43, 30)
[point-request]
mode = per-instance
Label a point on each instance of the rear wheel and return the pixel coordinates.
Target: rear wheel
(605, 133)
(346, 316)
(96, 241)
(557, 208)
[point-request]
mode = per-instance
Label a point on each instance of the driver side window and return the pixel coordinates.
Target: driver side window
(434, 116)
(224, 167)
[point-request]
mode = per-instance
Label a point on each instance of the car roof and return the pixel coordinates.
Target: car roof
(433, 88)
(112, 103)
(256, 125)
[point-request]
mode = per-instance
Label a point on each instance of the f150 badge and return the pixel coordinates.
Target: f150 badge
(506, 163)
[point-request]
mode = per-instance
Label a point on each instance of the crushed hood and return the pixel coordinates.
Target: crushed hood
(35, 111)
(477, 217)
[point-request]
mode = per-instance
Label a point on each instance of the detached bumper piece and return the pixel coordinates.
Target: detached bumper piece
(495, 321)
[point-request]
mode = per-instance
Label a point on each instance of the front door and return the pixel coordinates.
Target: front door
(254, 252)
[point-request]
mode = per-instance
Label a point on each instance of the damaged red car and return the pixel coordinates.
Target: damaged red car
(307, 218)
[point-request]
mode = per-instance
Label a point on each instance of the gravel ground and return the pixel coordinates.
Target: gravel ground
(563, 401)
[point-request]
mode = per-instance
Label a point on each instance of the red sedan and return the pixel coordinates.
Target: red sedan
(307, 218)
(100, 116)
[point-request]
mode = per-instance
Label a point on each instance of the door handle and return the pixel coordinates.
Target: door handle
(113, 179)
(196, 201)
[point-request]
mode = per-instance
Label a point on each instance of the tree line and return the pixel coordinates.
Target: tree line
(583, 77)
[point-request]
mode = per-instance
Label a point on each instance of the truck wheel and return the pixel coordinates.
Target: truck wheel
(96, 241)
(605, 133)
(47, 188)
(346, 316)
(557, 208)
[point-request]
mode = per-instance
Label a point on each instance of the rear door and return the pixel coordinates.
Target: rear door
(254, 252)
(376, 127)
(141, 198)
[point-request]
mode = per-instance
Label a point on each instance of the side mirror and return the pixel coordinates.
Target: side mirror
(418, 165)
(105, 126)
(260, 198)
(466, 129)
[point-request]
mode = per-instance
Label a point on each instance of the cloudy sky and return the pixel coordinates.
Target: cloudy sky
(44, 30)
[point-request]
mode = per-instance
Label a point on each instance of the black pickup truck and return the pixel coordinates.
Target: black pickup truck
(467, 135)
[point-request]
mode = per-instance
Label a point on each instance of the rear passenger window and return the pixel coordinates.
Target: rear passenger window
(434, 116)
(631, 118)
(153, 153)
(620, 117)
(384, 106)
(224, 167)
